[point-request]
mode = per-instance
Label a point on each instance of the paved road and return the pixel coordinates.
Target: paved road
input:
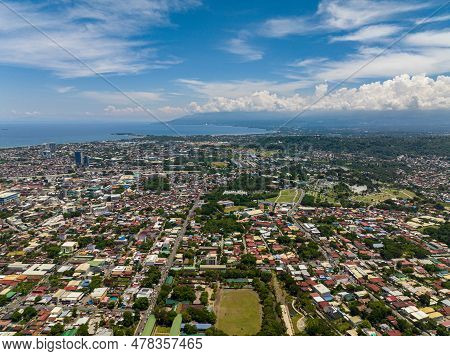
(165, 270)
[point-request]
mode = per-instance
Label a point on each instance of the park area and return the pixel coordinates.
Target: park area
(238, 312)
(286, 196)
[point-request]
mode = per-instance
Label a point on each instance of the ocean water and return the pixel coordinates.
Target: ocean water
(26, 133)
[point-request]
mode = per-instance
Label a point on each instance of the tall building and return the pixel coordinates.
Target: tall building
(78, 155)
(52, 147)
(85, 161)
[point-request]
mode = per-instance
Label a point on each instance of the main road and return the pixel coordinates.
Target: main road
(165, 270)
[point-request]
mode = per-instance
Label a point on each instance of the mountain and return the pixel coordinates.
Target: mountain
(354, 121)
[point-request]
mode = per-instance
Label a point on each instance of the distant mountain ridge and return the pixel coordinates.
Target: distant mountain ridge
(373, 121)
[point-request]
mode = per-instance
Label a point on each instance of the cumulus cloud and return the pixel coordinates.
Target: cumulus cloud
(99, 32)
(400, 93)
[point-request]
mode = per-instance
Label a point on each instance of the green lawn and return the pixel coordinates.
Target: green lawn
(238, 312)
(149, 326)
(286, 196)
(176, 326)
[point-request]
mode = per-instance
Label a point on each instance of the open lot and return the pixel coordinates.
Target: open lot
(286, 196)
(238, 312)
(230, 209)
(219, 164)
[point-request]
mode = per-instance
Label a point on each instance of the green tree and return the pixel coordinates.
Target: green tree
(29, 313)
(141, 304)
(128, 319)
(318, 327)
(57, 329)
(190, 329)
(83, 330)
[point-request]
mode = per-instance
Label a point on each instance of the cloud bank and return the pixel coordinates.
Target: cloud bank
(403, 92)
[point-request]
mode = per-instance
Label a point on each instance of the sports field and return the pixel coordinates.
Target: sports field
(238, 312)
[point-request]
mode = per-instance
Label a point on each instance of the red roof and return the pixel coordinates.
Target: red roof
(394, 333)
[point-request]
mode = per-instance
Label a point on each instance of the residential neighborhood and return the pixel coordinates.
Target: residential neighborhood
(213, 236)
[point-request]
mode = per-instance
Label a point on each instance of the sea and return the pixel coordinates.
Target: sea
(29, 133)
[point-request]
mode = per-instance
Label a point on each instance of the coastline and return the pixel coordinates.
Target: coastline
(25, 134)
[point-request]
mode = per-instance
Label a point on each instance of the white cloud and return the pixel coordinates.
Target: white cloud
(351, 14)
(111, 109)
(64, 90)
(430, 61)
(122, 98)
(233, 89)
(98, 32)
(335, 15)
(400, 93)
(308, 62)
(25, 113)
(433, 19)
(240, 47)
(429, 39)
(370, 33)
(162, 113)
(285, 26)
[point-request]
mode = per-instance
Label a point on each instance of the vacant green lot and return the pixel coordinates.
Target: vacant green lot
(385, 194)
(230, 209)
(238, 312)
(286, 196)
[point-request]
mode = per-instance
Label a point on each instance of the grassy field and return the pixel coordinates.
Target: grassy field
(230, 209)
(286, 196)
(327, 197)
(238, 312)
(162, 331)
(385, 194)
(219, 164)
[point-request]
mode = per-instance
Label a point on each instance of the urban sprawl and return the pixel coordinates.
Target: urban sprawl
(227, 235)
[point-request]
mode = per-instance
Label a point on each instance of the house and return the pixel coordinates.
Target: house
(98, 294)
(68, 247)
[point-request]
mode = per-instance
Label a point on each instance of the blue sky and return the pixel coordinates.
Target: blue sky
(179, 57)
